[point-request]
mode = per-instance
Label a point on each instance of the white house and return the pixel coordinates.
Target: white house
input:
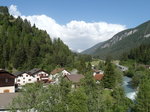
(56, 74)
(31, 76)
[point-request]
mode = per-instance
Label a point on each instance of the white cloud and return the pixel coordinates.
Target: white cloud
(13, 11)
(78, 35)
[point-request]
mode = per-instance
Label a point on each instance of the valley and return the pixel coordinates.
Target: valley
(40, 73)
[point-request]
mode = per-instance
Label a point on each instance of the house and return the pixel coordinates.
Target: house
(75, 79)
(57, 73)
(7, 82)
(98, 77)
(122, 68)
(39, 74)
(31, 76)
(23, 78)
(97, 72)
(147, 66)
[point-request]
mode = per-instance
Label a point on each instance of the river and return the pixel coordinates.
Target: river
(130, 92)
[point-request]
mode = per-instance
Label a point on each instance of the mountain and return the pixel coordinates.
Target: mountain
(92, 49)
(122, 42)
(24, 47)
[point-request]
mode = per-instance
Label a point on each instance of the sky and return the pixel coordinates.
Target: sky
(81, 23)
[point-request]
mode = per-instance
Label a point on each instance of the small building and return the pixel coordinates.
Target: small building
(97, 72)
(58, 73)
(98, 77)
(31, 76)
(122, 68)
(7, 82)
(75, 79)
(147, 66)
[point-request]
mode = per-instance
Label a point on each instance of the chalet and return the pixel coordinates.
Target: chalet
(7, 82)
(75, 79)
(23, 78)
(56, 74)
(39, 74)
(31, 76)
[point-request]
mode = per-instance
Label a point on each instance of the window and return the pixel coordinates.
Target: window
(23, 81)
(26, 75)
(23, 77)
(29, 80)
(6, 80)
(18, 80)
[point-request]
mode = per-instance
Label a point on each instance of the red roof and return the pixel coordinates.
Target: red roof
(98, 76)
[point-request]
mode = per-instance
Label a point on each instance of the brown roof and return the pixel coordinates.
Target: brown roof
(75, 77)
(57, 70)
(4, 71)
(6, 99)
(98, 76)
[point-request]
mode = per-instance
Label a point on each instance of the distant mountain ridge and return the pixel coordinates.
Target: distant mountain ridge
(122, 42)
(92, 49)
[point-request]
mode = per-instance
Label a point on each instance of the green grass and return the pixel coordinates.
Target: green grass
(128, 63)
(107, 94)
(95, 62)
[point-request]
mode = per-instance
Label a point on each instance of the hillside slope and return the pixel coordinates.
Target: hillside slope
(92, 49)
(23, 46)
(124, 41)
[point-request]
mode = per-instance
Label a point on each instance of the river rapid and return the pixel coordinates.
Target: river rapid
(130, 92)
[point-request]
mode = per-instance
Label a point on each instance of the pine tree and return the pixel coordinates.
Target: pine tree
(109, 79)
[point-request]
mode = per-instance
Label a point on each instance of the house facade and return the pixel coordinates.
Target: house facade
(7, 82)
(31, 76)
(24, 78)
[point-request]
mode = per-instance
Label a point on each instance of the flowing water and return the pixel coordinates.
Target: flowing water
(130, 92)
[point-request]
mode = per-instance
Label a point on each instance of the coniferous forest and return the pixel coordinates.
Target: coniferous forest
(23, 46)
(141, 54)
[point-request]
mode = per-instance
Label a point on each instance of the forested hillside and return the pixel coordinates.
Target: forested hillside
(140, 54)
(123, 42)
(23, 46)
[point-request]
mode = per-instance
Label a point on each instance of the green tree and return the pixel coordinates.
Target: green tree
(121, 103)
(143, 96)
(109, 79)
(28, 98)
(77, 101)
(93, 91)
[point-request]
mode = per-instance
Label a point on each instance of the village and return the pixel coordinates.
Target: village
(12, 83)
